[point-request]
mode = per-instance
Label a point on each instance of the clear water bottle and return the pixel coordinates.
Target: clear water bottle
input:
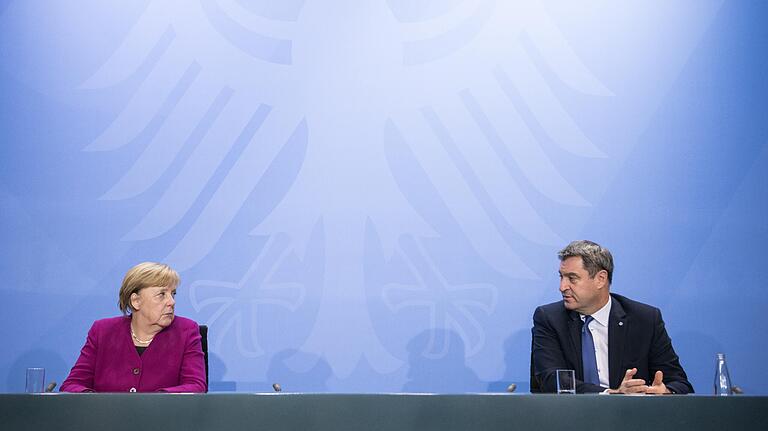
(722, 378)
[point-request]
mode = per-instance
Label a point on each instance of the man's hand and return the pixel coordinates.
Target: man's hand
(658, 386)
(633, 386)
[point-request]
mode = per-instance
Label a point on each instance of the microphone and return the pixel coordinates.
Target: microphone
(276, 387)
(50, 387)
(737, 390)
(511, 388)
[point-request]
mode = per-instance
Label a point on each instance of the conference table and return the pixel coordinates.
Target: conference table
(339, 412)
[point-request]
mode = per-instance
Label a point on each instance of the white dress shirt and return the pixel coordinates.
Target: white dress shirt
(599, 328)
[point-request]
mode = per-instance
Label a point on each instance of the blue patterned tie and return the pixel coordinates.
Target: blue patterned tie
(588, 354)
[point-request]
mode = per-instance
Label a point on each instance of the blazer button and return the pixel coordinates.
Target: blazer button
(135, 371)
(132, 390)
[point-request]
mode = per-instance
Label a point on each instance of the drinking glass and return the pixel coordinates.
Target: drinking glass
(35, 380)
(566, 382)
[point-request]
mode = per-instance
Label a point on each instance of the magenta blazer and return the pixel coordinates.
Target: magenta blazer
(108, 361)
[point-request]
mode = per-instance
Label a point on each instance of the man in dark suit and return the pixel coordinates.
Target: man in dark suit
(622, 348)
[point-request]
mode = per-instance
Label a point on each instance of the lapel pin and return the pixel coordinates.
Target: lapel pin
(621, 323)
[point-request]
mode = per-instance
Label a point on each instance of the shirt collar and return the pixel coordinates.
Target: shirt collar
(602, 315)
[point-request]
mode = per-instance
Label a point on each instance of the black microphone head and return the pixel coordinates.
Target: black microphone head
(276, 387)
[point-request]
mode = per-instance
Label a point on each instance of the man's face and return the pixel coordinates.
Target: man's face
(582, 293)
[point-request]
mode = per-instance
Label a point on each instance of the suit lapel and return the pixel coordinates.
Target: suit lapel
(574, 327)
(617, 329)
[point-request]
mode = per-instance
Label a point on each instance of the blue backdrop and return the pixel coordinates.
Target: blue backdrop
(367, 196)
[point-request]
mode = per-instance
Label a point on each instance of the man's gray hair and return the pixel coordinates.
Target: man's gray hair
(594, 257)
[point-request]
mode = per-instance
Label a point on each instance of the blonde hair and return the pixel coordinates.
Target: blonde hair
(143, 275)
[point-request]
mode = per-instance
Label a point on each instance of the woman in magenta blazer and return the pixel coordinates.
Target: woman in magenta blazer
(149, 348)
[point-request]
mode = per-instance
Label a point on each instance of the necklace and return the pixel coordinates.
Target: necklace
(138, 340)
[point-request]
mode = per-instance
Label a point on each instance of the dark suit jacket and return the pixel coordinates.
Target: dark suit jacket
(108, 362)
(636, 339)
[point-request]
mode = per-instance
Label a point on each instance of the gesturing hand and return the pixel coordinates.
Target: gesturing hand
(658, 386)
(630, 385)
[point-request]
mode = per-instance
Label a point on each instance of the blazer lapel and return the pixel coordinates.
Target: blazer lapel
(617, 329)
(574, 327)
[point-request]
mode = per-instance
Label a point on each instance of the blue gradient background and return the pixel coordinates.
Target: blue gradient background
(367, 196)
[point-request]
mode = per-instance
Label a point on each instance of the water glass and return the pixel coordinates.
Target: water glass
(566, 382)
(35, 380)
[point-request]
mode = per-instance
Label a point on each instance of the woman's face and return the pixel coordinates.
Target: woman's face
(155, 305)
